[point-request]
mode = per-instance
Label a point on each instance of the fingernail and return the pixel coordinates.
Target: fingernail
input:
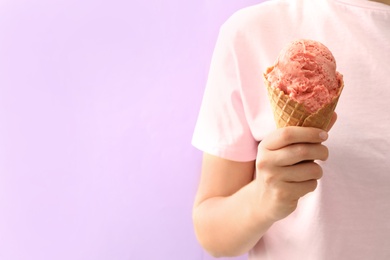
(324, 135)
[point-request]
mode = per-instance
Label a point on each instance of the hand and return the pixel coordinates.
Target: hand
(286, 168)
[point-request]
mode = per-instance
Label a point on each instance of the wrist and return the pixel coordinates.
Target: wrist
(258, 213)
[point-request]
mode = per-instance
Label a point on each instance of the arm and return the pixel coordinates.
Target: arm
(232, 211)
(223, 215)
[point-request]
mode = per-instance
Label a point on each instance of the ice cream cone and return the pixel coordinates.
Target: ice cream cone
(288, 112)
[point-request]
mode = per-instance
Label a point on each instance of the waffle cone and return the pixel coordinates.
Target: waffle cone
(288, 112)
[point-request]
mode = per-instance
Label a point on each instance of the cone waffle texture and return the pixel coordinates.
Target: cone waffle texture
(288, 112)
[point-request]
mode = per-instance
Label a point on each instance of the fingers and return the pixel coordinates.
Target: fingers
(282, 187)
(293, 134)
(296, 153)
(279, 199)
(291, 145)
(293, 191)
(286, 168)
(302, 172)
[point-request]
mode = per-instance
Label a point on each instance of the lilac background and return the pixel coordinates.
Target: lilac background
(98, 100)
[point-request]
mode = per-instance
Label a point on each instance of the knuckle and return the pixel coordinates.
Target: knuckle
(286, 133)
(302, 150)
(319, 173)
(264, 159)
(270, 180)
(261, 164)
(326, 153)
(312, 185)
(282, 194)
(316, 171)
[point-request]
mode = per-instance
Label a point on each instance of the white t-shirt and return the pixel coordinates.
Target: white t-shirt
(348, 216)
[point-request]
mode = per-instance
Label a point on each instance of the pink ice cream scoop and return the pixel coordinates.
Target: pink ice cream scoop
(306, 71)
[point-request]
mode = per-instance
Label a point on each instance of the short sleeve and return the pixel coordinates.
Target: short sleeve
(222, 128)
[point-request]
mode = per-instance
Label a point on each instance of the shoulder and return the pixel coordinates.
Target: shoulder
(261, 30)
(275, 16)
(266, 15)
(271, 24)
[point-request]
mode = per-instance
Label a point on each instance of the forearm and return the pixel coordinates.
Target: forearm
(230, 226)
